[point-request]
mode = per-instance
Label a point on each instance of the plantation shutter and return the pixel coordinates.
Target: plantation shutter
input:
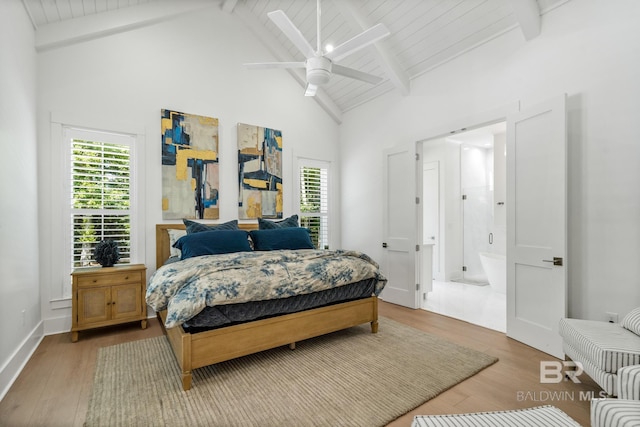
(314, 201)
(100, 194)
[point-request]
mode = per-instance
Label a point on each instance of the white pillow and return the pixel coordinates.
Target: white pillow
(174, 235)
(632, 321)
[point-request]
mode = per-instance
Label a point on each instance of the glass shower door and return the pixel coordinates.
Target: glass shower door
(476, 217)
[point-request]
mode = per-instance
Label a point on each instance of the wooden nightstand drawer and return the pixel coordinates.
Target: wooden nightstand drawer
(117, 278)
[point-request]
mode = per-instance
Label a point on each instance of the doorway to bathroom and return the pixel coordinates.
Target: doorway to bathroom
(464, 222)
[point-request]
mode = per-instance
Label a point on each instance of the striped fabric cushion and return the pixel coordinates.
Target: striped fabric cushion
(629, 383)
(606, 345)
(608, 382)
(632, 321)
(615, 412)
(541, 416)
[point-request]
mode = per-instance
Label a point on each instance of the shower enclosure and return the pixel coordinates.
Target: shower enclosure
(476, 225)
(476, 184)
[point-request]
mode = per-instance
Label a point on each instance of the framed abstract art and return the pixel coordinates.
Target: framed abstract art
(260, 172)
(190, 166)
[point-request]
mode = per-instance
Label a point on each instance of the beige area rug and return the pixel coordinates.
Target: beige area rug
(347, 378)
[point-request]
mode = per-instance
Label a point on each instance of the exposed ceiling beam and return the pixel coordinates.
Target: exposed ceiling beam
(33, 21)
(271, 43)
(527, 13)
(387, 61)
(229, 5)
(91, 27)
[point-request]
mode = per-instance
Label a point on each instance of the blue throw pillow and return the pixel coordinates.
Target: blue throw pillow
(197, 227)
(212, 243)
(264, 224)
(281, 238)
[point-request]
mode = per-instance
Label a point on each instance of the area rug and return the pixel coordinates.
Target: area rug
(347, 378)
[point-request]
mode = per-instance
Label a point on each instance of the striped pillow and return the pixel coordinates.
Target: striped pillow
(632, 321)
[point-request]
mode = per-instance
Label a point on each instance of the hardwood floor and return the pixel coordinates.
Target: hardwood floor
(54, 387)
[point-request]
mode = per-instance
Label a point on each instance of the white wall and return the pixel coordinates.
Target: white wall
(587, 49)
(193, 64)
(20, 316)
(499, 194)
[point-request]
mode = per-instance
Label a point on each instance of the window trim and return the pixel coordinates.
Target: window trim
(72, 132)
(52, 264)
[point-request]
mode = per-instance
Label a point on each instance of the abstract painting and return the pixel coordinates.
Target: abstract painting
(260, 172)
(190, 166)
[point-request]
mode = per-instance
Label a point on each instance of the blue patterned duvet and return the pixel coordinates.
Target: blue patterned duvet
(184, 288)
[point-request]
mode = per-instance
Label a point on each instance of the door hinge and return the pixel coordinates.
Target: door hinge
(417, 248)
(464, 268)
(464, 197)
(417, 200)
(417, 156)
(417, 286)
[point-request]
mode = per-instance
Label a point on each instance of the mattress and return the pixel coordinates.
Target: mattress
(233, 314)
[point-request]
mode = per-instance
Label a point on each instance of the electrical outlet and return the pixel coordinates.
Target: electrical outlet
(612, 317)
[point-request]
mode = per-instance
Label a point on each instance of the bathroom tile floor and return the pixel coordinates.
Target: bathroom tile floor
(479, 305)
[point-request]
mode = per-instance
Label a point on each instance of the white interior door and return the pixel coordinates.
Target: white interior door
(401, 231)
(536, 225)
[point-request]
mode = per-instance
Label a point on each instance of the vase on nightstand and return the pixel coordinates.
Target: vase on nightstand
(106, 253)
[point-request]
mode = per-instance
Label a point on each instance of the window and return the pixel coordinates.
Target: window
(314, 200)
(100, 194)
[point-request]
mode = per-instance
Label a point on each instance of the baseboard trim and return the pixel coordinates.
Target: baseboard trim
(16, 363)
(57, 325)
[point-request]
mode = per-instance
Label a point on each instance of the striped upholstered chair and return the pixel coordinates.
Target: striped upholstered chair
(610, 354)
(623, 411)
(540, 416)
(602, 347)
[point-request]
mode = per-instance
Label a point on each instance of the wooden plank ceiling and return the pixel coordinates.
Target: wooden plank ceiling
(424, 33)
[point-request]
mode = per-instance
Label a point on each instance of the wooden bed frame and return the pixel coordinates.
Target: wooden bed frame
(205, 348)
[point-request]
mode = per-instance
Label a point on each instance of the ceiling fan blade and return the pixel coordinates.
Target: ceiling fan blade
(263, 65)
(364, 39)
(310, 90)
(355, 74)
(292, 32)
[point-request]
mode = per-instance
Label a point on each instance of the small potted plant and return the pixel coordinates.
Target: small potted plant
(106, 253)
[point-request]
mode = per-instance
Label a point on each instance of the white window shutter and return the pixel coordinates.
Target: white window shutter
(314, 200)
(100, 191)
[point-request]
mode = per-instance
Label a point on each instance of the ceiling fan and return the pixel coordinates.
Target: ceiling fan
(320, 64)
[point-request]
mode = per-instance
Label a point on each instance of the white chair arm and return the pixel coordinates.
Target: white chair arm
(629, 382)
(615, 413)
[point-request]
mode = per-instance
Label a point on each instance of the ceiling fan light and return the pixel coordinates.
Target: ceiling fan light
(318, 70)
(318, 76)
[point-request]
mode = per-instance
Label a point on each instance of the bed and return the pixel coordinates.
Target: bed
(195, 350)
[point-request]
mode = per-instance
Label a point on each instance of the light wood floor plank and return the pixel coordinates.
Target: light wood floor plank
(54, 387)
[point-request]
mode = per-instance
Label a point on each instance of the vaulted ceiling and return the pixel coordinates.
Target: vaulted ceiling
(424, 33)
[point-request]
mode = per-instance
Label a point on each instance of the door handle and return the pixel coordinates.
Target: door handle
(556, 260)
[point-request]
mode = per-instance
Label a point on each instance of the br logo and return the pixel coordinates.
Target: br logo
(553, 371)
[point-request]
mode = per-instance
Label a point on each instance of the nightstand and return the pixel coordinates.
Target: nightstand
(104, 296)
